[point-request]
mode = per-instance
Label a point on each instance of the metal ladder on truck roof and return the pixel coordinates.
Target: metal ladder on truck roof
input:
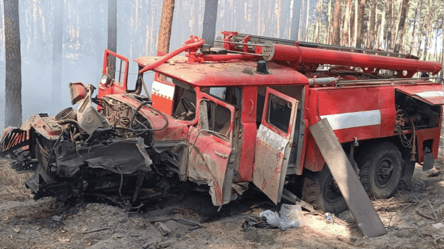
(262, 39)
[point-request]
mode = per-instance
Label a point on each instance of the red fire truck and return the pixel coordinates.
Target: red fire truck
(237, 114)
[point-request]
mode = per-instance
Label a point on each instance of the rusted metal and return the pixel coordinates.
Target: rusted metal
(283, 50)
(347, 180)
(236, 73)
(205, 163)
(191, 45)
(255, 129)
(430, 94)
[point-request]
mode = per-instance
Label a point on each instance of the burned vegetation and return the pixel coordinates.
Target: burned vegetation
(240, 115)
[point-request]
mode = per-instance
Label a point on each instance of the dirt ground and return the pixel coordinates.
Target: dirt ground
(412, 217)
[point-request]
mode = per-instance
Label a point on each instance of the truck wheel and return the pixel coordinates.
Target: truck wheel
(381, 169)
(321, 191)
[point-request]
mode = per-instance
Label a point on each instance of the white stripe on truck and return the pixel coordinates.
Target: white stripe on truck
(430, 94)
(162, 89)
(353, 119)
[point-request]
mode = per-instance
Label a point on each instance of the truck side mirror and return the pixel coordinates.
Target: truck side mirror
(77, 91)
(203, 115)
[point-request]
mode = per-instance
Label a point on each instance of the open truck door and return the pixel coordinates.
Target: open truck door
(273, 143)
(114, 74)
(210, 157)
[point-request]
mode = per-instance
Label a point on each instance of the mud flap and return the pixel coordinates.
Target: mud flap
(429, 161)
(409, 169)
(347, 180)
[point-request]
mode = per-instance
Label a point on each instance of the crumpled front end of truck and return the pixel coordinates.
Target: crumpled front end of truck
(104, 153)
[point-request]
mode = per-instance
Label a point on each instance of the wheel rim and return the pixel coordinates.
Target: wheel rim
(331, 191)
(384, 172)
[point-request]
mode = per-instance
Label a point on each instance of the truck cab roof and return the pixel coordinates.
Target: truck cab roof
(227, 73)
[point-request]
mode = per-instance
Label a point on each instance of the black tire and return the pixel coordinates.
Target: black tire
(321, 191)
(380, 168)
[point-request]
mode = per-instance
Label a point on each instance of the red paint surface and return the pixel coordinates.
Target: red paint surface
(232, 73)
(204, 162)
(334, 100)
(162, 104)
(248, 120)
(426, 134)
(114, 87)
(333, 57)
(199, 70)
(287, 134)
(356, 99)
(412, 90)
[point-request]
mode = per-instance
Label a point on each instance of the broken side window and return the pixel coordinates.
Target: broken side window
(231, 95)
(116, 68)
(184, 107)
(279, 113)
(215, 117)
(219, 92)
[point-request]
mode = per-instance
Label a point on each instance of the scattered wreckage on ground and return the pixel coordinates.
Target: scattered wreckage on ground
(252, 109)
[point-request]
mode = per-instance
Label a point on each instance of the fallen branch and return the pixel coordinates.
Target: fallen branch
(180, 220)
(406, 206)
(424, 215)
(437, 239)
(434, 213)
(98, 230)
(422, 237)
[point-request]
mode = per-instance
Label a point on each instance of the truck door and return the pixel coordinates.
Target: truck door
(273, 143)
(211, 146)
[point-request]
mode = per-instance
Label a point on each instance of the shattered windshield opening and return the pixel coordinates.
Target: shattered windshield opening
(184, 106)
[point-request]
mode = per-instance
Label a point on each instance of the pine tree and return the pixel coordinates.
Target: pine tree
(13, 83)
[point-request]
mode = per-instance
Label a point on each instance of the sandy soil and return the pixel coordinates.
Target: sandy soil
(411, 218)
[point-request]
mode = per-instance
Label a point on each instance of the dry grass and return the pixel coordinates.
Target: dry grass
(12, 184)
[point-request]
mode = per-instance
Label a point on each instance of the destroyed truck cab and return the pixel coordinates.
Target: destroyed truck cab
(235, 114)
(385, 120)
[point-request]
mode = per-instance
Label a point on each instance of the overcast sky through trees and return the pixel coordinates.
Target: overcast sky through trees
(85, 37)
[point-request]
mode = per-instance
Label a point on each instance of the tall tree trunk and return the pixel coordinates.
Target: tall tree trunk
(345, 33)
(436, 48)
(428, 37)
(336, 30)
(328, 35)
(401, 27)
(112, 35)
(302, 23)
(404, 33)
(57, 53)
(372, 27)
(414, 43)
(423, 27)
(381, 29)
(442, 51)
(361, 24)
(389, 25)
(163, 42)
(341, 22)
(318, 20)
(395, 27)
(166, 21)
(209, 22)
(13, 76)
(354, 24)
(295, 20)
(307, 18)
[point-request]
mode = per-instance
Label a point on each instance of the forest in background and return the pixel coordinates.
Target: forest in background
(408, 26)
(405, 26)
